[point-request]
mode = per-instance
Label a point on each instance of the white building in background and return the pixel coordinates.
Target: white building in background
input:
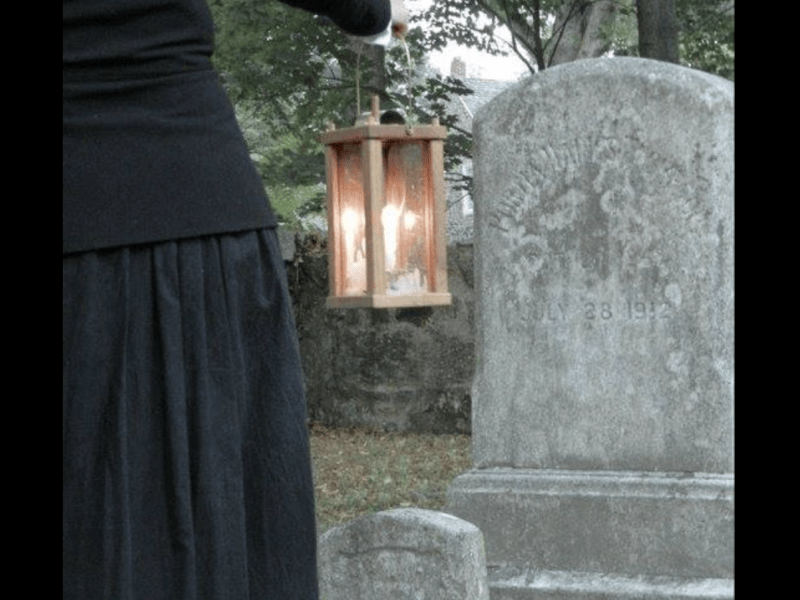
(460, 228)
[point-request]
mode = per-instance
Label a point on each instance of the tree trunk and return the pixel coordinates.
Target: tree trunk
(658, 29)
(577, 32)
(373, 73)
(370, 74)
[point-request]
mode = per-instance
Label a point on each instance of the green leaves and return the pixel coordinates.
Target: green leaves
(706, 38)
(289, 72)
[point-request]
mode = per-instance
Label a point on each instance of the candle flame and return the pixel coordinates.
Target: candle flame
(390, 218)
(355, 252)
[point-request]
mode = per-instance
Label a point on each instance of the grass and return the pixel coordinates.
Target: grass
(359, 472)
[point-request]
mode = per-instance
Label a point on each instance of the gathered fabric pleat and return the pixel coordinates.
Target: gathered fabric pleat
(186, 468)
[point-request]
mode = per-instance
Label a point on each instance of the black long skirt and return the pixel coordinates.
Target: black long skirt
(186, 468)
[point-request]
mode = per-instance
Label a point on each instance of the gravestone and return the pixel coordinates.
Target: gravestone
(403, 554)
(603, 395)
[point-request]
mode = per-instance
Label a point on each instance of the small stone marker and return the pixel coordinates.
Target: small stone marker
(603, 397)
(403, 554)
(287, 244)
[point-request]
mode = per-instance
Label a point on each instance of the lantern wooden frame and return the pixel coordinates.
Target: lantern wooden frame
(369, 167)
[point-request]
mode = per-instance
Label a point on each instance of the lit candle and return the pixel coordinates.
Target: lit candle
(355, 254)
(390, 219)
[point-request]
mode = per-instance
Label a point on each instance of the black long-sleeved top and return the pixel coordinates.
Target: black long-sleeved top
(152, 150)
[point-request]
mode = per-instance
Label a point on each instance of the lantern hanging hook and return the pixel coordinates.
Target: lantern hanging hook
(409, 74)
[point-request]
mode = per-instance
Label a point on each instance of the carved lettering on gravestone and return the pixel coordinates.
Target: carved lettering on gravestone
(583, 212)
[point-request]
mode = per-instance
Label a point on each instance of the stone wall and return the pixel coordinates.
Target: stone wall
(386, 369)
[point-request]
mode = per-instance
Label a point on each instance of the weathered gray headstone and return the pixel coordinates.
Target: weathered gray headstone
(403, 554)
(287, 244)
(603, 397)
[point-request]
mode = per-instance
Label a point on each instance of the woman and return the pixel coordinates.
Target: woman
(186, 470)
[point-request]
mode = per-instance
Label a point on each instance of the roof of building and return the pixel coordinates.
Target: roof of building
(483, 91)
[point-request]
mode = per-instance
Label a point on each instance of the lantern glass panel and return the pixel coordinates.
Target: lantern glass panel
(352, 231)
(405, 218)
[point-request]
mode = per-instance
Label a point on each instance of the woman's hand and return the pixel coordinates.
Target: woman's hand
(399, 19)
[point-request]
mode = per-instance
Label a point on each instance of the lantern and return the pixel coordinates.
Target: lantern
(386, 208)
